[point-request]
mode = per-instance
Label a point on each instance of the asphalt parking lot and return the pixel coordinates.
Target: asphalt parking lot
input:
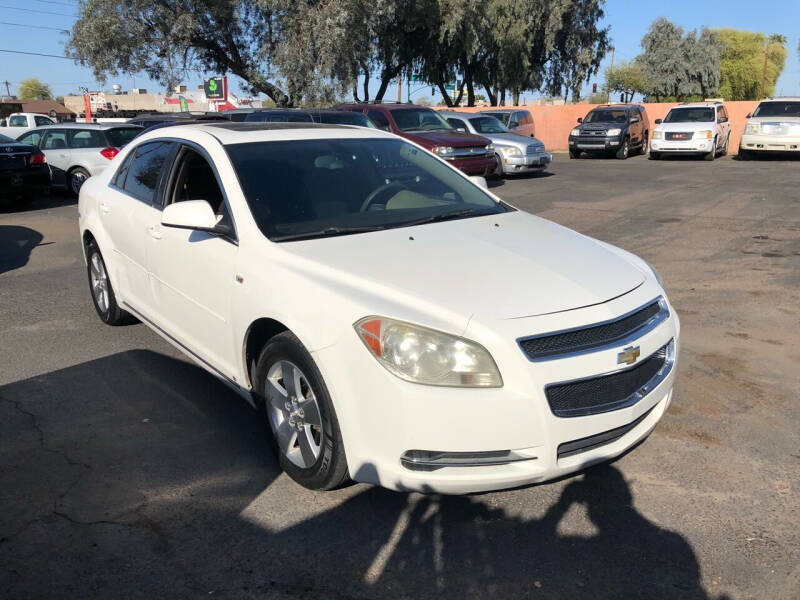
(127, 472)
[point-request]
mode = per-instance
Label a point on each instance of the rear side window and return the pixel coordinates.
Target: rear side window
(119, 177)
(32, 137)
(18, 121)
(145, 170)
(380, 120)
(55, 139)
(119, 136)
(42, 121)
(85, 138)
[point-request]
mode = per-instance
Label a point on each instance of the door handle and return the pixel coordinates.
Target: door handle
(105, 208)
(154, 232)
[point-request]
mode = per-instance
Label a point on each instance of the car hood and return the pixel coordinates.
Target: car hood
(512, 139)
(793, 120)
(445, 138)
(499, 266)
(703, 126)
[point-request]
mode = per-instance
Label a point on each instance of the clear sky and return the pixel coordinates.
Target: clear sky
(629, 20)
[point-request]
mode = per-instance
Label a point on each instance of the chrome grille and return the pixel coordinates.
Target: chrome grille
(560, 344)
(534, 149)
(678, 135)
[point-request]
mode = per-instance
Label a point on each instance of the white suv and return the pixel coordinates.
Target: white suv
(697, 128)
(773, 127)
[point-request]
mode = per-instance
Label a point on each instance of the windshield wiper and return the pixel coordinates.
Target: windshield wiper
(445, 217)
(327, 232)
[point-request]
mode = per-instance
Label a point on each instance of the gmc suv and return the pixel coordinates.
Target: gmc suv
(472, 154)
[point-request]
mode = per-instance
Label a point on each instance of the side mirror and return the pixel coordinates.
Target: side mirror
(748, 115)
(513, 124)
(190, 214)
(479, 181)
(580, 119)
(635, 119)
(659, 121)
(461, 130)
(723, 119)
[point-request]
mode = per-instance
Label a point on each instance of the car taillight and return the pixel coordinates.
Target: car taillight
(38, 159)
(109, 152)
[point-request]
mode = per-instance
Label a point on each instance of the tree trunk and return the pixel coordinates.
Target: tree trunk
(515, 97)
(355, 92)
(503, 97)
(365, 68)
(445, 95)
(387, 76)
(470, 86)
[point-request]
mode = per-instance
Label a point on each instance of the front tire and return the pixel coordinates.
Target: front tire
(745, 154)
(574, 153)
(499, 171)
(624, 150)
(654, 155)
(709, 156)
(105, 302)
(293, 399)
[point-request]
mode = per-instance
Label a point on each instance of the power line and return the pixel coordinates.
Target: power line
(33, 26)
(71, 4)
(34, 54)
(33, 10)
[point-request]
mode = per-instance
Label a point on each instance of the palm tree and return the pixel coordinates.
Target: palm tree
(775, 38)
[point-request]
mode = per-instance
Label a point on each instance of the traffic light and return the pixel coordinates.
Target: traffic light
(594, 88)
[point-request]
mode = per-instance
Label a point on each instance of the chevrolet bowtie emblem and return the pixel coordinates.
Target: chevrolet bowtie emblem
(629, 355)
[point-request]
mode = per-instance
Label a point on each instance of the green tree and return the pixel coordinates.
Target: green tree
(704, 53)
(627, 78)
(33, 89)
(742, 73)
(664, 60)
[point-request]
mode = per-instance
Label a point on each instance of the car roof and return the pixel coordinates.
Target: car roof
(230, 132)
(782, 99)
(612, 106)
(499, 109)
(698, 104)
(101, 126)
(385, 105)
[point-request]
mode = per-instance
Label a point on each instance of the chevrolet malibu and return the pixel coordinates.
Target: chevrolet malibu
(390, 319)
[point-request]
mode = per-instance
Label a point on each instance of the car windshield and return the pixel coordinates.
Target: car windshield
(606, 116)
(304, 189)
(418, 119)
(487, 124)
(778, 109)
(5, 139)
(690, 114)
(504, 118)
(119, 136)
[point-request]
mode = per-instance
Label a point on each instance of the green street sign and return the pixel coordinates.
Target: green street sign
(416, 77)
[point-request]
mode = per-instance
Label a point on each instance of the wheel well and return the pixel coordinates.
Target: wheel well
(88, 238)
(257, 336)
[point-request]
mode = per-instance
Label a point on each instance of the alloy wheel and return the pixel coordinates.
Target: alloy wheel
(293, 413)
(77, 180)
(97, 273)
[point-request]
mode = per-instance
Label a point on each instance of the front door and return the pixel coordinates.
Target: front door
(192, 273)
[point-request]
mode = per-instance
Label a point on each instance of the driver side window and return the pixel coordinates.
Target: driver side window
(194, 179)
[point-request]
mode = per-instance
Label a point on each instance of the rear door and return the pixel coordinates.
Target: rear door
(129, 208)
(85, 146)
(55, 148)
(635, 127)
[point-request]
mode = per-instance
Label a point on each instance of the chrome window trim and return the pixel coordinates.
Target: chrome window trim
(646, 327)
(635, 397)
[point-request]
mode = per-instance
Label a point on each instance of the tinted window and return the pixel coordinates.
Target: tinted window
(55, 139)
(606, 116)
(119, 176)
(119, 136)
(343, 118)
(238, 116)
(778, 109)
(85, 138)
(418, 119)
(380, 120)
(18, 121)
(456, 123)
(145, 170)
(487, 124)
(5, 139)
(42, 121)
(694, 114)
(32, 137)
(504, 118)
(313, 188)
(279, 117)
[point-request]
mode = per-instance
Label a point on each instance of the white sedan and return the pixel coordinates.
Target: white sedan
(392, 320)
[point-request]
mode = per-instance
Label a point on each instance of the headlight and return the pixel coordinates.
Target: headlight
(613, 132)
(705, 134)
(656, 274)
(752, 129)
(489, 149)
(657, 135)
(511, 151)
(443, 151)
(427, 356)
(575, 132)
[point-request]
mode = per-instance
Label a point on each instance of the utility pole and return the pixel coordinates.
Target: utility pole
(8, 91)
(608, 93)
(399, 88)
(764, 72)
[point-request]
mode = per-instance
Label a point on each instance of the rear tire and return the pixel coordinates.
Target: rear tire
(299, 412)
(645, 142)
(624, 150)
(105, 302)
(77, 177)
(724, 151)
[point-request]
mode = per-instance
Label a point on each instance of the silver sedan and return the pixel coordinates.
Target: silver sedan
(514, 153)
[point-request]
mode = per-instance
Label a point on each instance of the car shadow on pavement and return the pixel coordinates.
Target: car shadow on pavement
(16, 245)
(138, 475)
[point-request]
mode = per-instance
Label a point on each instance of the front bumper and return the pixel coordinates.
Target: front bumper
(383, 418)
(595, 143)
(527, 163)
(692, 146)
(770, 143)
(480, 165)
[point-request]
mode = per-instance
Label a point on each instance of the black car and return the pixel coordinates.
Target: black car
(340, 117)
(24, 173)
(279, 115)
(616, 129)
